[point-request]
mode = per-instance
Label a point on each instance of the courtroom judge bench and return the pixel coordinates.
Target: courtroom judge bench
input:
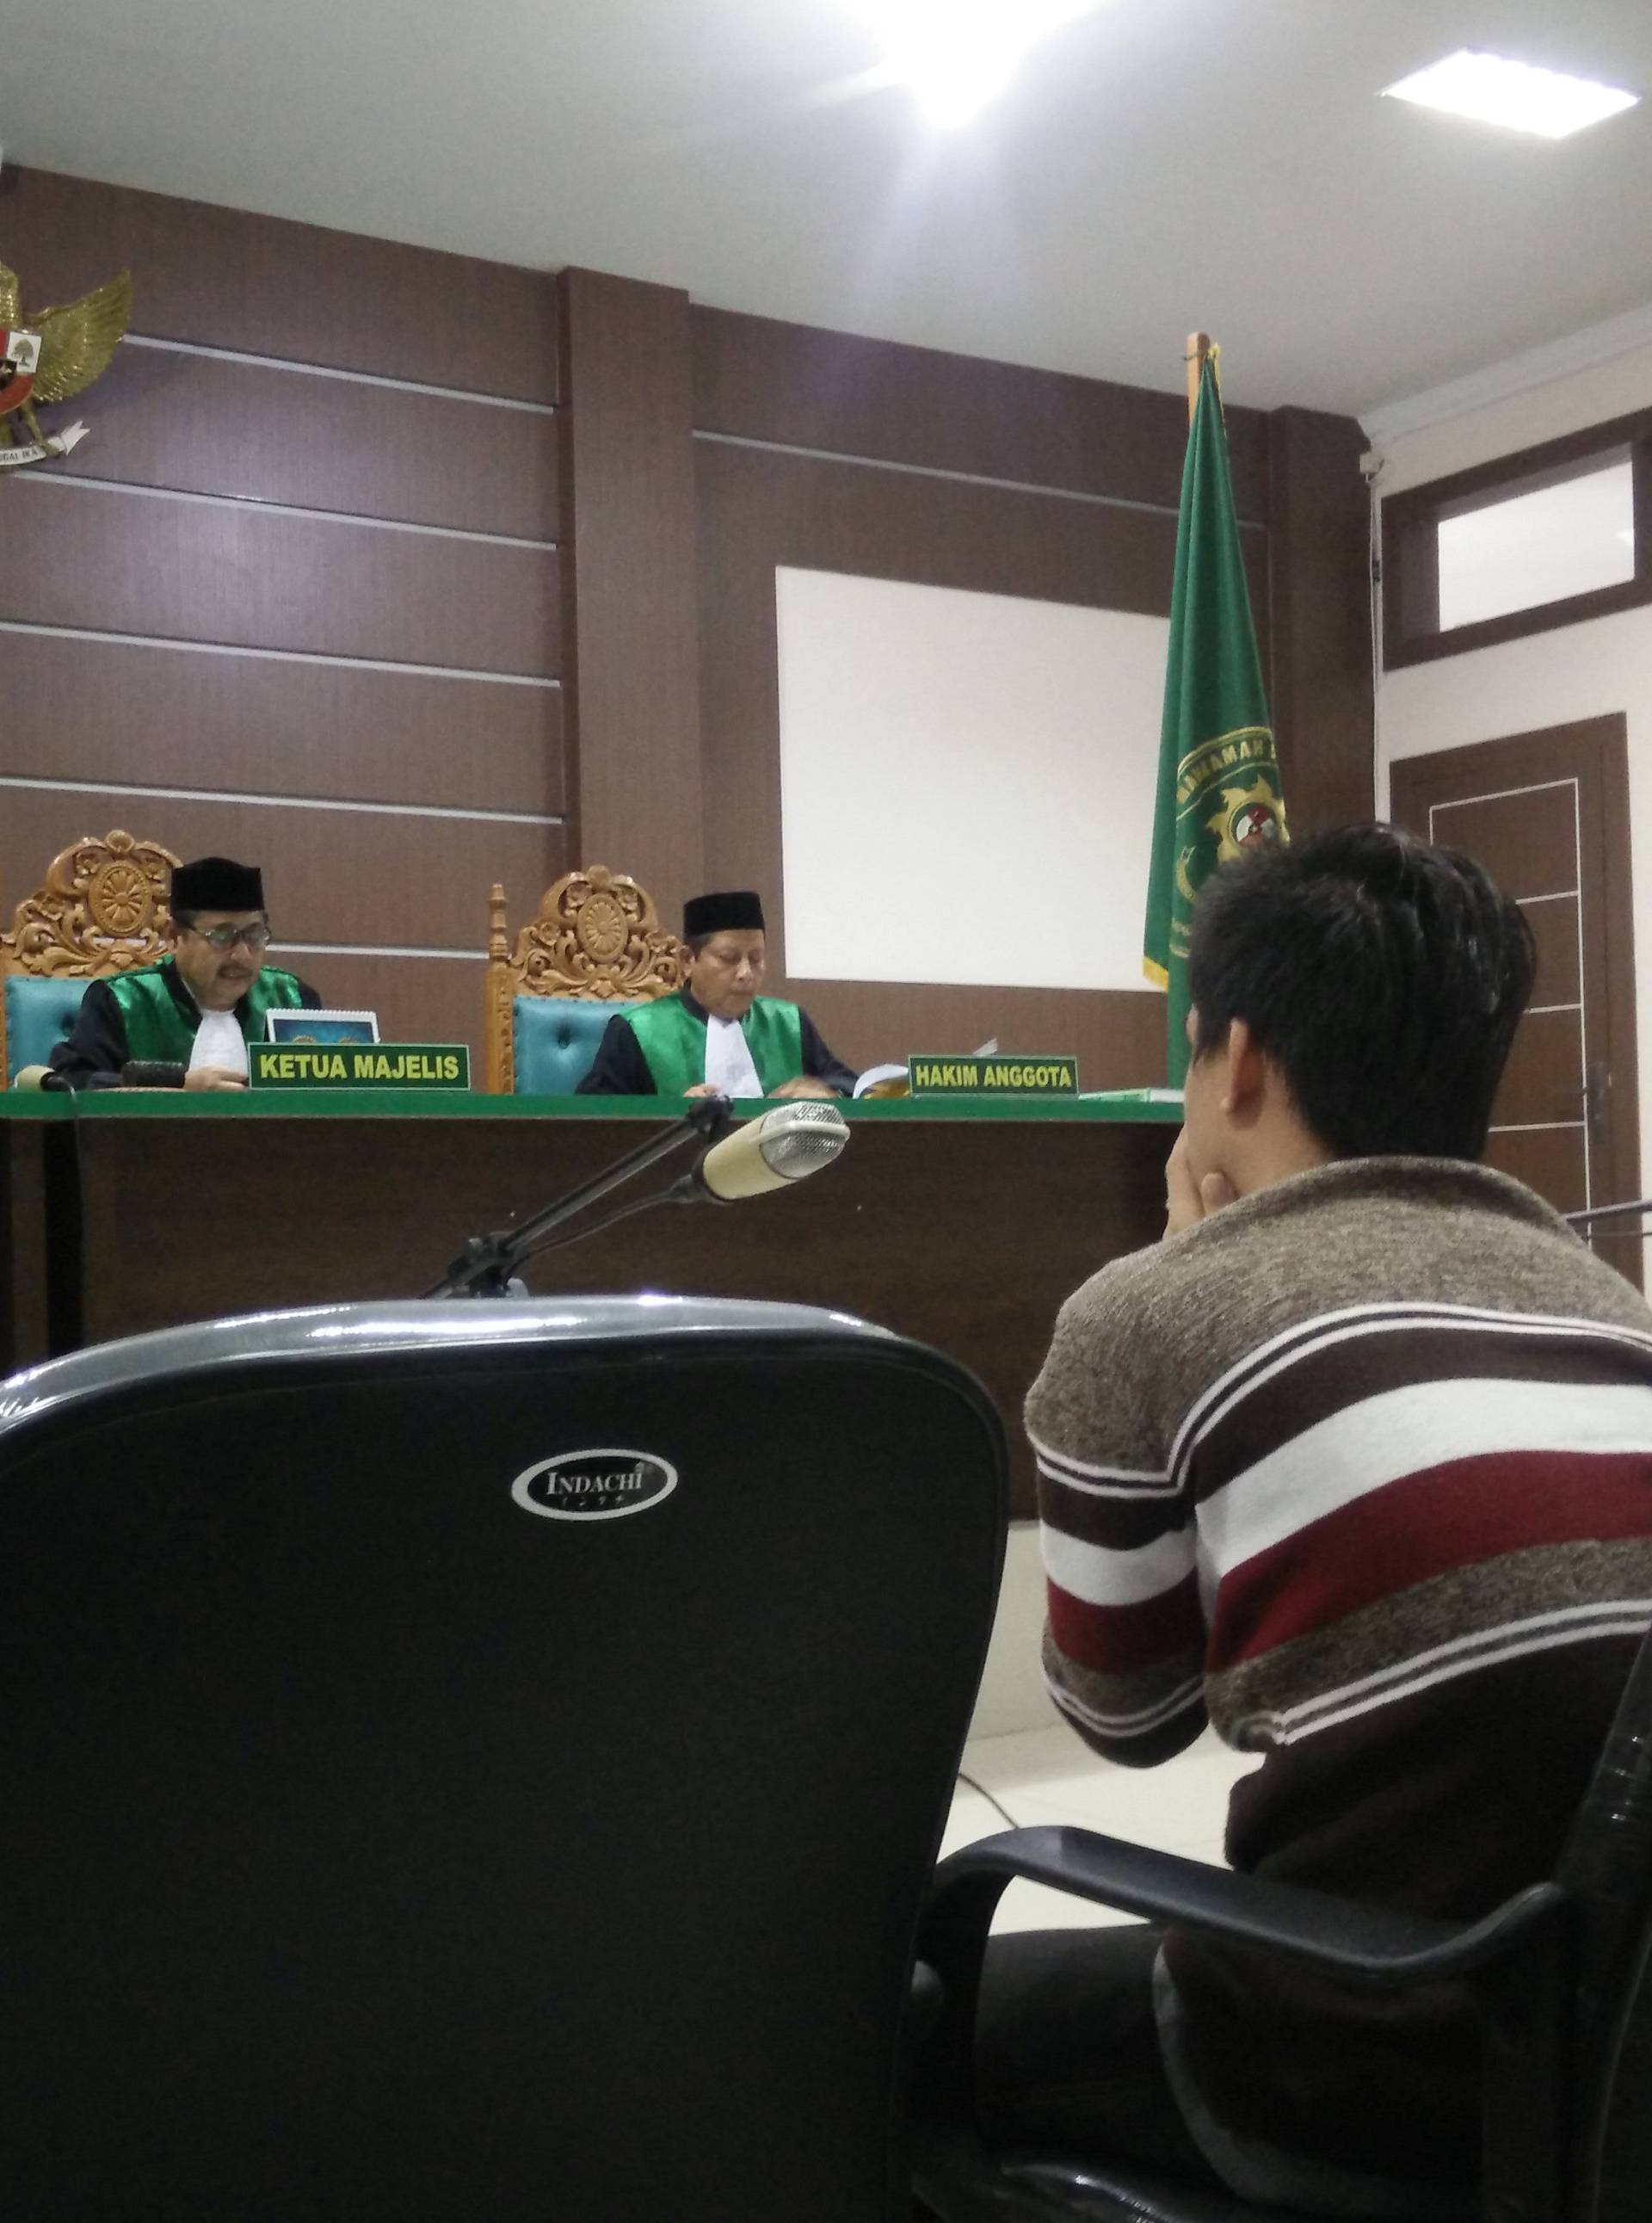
(961, 1223)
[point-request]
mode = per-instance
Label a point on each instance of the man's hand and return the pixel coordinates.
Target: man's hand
(1188, 1201)
(805, 1085)
(214, 1076)
(703, 1088)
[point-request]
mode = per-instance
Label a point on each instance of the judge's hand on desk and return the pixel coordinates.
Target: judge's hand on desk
(1188, 1200)
(214, 1076)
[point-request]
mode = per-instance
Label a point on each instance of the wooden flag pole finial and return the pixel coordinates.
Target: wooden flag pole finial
(1199, 348)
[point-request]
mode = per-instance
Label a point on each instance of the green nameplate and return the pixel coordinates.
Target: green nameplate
(994, 1076)
(359, 1065)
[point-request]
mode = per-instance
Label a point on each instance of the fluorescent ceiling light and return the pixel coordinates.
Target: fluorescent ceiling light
(1494, 90)
(957, 55)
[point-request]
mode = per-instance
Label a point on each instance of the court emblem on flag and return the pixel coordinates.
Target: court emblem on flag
(50, 355)
(1248, 815)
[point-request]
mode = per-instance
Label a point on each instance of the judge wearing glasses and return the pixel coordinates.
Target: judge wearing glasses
(201, 1005)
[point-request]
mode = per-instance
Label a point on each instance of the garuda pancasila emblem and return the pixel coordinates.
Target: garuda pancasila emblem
(48, 356)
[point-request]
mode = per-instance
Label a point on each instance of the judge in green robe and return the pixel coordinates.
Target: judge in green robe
(719, 1035)
(201, 1005)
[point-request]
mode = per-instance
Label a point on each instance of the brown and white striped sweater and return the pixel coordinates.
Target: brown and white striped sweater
(1360, 1470)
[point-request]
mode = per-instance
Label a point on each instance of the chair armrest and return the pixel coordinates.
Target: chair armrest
(1371, 1944)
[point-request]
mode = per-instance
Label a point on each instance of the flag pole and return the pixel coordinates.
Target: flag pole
(1199, 348)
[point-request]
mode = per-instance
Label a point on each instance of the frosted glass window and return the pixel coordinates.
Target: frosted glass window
(966, 784)
(1554, 538)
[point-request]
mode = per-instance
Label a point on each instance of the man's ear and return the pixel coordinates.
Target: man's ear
(1247, 1074)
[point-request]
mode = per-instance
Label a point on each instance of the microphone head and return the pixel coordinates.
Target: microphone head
(800, 1138)
(785, 1145)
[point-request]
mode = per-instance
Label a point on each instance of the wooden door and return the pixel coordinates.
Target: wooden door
(1547, 814)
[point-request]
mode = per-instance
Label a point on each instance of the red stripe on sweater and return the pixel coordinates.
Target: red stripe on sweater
(1459, 1514)
(1118, 1639)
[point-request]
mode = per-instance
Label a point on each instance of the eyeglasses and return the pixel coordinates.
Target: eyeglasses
(224, 938)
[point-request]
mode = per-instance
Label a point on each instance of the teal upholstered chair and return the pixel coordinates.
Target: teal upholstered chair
(594, 945)
(102, 908)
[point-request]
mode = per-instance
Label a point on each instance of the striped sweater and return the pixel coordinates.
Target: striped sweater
(1360, 1470)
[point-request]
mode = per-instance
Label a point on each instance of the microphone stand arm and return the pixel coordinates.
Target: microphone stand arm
(1608, 1212)
(486, 1265)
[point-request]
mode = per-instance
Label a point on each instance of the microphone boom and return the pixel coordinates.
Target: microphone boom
(785, 1145)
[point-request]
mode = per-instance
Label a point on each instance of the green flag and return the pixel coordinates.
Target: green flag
(1218, 777)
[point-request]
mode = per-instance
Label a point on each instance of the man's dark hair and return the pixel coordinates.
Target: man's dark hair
(1384, 977)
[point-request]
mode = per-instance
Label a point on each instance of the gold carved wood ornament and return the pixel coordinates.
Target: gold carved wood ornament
(101, 909)
(51, 354)
(596, 936)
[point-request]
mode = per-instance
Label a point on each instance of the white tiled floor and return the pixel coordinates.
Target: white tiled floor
(1047, 1775)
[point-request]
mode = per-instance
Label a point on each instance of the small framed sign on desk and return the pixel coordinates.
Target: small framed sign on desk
(314, 1027)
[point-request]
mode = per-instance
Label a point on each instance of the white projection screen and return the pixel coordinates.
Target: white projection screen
(966, 784)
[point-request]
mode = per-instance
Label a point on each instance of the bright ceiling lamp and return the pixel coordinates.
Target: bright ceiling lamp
(1494, 90)
(957, 55)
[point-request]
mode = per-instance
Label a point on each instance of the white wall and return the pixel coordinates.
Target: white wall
(971, 761)
(1584, 671)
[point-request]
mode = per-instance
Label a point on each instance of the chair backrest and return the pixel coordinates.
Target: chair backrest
(101, 909)
(1606, 1870)
(554, 1040)
(479, 1759)
(596, 937)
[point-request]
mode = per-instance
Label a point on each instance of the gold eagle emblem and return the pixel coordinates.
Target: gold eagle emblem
(52, 354)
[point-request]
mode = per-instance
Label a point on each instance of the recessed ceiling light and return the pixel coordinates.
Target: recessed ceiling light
(957, 55)
(1494, 90)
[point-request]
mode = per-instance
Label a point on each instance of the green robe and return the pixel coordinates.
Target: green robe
(672, 1041)
(158, 1028)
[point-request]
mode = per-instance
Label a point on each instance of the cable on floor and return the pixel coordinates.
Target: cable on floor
(998, 1807)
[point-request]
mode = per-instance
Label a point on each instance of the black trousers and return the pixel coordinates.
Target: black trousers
(1067, 2049)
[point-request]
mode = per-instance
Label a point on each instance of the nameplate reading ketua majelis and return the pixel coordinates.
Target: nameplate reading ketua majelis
(358, 1064)
(994, 1076)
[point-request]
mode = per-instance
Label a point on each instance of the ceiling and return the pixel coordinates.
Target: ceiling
(1156, 165)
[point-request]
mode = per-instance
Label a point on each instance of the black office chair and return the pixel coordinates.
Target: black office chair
(479, 1762)
(1556, 1975)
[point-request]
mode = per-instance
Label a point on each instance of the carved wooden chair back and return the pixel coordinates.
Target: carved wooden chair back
(596, 939)
(101, 909)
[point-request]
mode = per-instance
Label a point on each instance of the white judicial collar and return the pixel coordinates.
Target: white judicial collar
(728, 1059)
(219, 1040)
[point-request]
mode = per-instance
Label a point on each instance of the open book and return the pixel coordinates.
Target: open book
(892, 1081)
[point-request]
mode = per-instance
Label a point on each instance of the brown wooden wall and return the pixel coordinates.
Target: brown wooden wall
(296, 596)
(403, 573)
(831, 453)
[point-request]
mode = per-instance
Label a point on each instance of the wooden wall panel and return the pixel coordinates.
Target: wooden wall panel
(226, 279)
(794, 385)
(351, 876)
(188, 535)
(417, 998)
(128, 562)
(629, 540)
(210, 425)
(152, 715)
(758, 510)
(1319, 618)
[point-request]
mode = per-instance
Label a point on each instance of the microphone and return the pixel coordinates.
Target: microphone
(41, 1078)
(785, 1145)
(152, 1073)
